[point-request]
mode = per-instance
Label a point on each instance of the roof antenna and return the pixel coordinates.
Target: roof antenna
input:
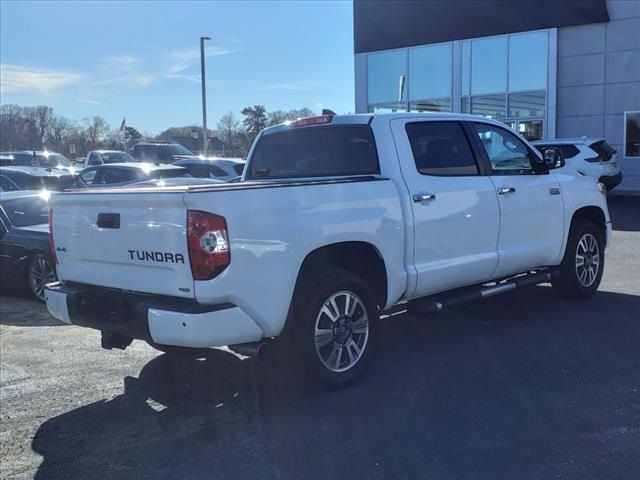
(326, 111)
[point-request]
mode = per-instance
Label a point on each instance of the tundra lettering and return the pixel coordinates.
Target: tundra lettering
(165, 257)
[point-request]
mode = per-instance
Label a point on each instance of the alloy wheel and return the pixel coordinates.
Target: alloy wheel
(341, 331)
(587, 260)
(41, 272)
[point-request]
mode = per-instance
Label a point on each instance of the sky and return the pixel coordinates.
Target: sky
(142, 59)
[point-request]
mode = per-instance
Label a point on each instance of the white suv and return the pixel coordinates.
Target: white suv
(591, 156)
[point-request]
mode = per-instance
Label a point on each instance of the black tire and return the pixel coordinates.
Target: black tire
(346, 333)
(40, 271)
(579, 282)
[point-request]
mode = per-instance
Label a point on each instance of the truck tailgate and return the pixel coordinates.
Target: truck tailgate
(129, 241)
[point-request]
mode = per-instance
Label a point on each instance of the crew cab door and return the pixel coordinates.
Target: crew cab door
(454, 206)
(531, 206)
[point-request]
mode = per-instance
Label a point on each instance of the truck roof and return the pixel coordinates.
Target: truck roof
(365, 118)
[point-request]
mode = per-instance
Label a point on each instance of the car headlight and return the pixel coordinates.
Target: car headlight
(601, 188)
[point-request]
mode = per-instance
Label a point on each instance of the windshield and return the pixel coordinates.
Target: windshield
(117, 157)
(175, 149)
(315, 152)
(53, 160)
(23, 212)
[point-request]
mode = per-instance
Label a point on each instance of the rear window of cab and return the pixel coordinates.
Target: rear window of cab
(317, 151)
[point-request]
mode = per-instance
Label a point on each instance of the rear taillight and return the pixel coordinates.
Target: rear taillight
(594, 159)
(51, 242)
(208, 244)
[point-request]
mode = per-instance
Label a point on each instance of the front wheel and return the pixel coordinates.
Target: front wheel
(335, 325)
(40, 272)
(581, 269)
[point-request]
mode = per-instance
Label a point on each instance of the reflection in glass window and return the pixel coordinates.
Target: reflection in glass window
(489, 65)
(430, 72)
(466, 68)
(632, 134)
(530, 104)
(504, 149)
(442, 105)
(492, 106)
(384, 70)
(528, 61)
(387, 108)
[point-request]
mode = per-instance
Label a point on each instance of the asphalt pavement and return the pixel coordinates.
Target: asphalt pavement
(520, 386)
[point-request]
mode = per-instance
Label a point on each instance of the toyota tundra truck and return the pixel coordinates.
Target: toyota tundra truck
(337, 219)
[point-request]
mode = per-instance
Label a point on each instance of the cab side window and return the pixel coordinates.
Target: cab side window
(506, 152)
(441, 148)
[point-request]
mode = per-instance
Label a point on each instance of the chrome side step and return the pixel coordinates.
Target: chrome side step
(438, 302)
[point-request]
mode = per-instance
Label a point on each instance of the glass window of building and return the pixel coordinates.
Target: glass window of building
(441, 105)
(530, 104)
(430, 77)
(528, 61)
(492, 106)
(632, 134)
(384, 72)
(489, 65)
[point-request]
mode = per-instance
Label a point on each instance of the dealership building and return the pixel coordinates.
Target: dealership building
(549, 69)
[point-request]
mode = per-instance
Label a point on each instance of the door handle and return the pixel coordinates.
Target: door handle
(421, 197)
(504, 190)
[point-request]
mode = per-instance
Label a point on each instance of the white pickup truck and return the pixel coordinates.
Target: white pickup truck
(336, 219)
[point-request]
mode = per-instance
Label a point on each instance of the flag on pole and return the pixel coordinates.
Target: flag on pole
(123, 125)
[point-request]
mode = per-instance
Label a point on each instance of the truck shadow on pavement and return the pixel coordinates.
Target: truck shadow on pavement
(524, 386)
(625, 213)
(22, 311)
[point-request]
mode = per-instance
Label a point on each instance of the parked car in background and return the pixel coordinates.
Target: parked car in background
(25, 255)
(176, 181)
(224, 169)
(590, 156)
(6, 160)
(99, 157)
(41, 158)
(160, 152)
(117, 174)
(38, 178)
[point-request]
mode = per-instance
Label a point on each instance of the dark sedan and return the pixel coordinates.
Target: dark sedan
(120, 174)
(36, 178)
(25, 255)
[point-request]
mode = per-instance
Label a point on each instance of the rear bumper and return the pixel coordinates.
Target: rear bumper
(162, 320)
(611, 181)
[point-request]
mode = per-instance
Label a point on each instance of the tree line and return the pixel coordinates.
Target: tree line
(39, 128)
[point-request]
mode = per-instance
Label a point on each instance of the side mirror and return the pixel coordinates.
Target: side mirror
(553, 158)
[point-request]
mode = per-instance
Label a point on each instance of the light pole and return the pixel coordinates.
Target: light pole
(204, 97)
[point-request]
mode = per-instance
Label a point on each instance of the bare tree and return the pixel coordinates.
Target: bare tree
(96, 128)
(230, 132)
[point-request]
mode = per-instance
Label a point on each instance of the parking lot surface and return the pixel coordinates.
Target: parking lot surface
(522, 386)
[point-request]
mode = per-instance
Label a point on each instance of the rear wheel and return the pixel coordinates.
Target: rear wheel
(334, 327)
(39, 273)
(581, 269)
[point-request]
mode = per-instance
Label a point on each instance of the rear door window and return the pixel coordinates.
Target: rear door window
(603, 149)
(441, 148)
(315, 152)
